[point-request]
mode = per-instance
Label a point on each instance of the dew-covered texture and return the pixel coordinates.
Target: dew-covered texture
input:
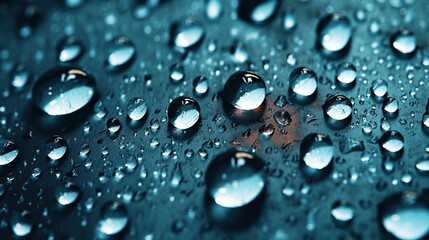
(119, 168)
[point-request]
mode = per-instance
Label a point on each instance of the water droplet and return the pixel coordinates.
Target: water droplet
(8, 151)
(343, 212)
(56, 147)
(235, 178)
(213, 8)
(257, 11)
(404, 43)
(19, 76)
(184, 112)
(289, 20)
(405, 215)
(136, 108)
(303, 83)
(317, 150)
(177, 73)
(69, 49)
(201, 86)
(113, 125)
(422, 165)
(338, 111)
(121, 53)
(425, 122)
(73, 3)
(63, 90)
(67, 194)
(267, 129)
(244, 90)
(186, 33)
(282, 118)
(379, 89)
(346, 75)
(239, 52)
(114, 219)
(390, 107)
(392, 144)
(21, 223)
(334, 35)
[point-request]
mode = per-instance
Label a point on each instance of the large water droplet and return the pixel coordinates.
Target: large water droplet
(338, 111)
(346, 76)
(186, 33)
(303, 83)
(114, 219)
(379, 89)
(244, 90)
(183, 112)
(56, 148)
(235, 178)
(63, 90)
(334, 35)
(317, 150)
(136, 108)
(21, 223)
(392, 144)
(121, 53)
(257, 11)
(8, 151)
(70, 49)
(405, 215)
(67, 194)
(404, 43)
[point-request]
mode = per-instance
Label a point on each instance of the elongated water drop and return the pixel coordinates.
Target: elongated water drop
(334, 35)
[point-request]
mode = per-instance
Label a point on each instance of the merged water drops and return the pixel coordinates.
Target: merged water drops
(342, 212)
(338, 111)
(392, 144)
(120, 54)
(201, 86)
(345, 76)
(405, 215)
(70, 49)
(56, 148)
(19, 76)
(390, 107)
(8, 151)
(404, 43)
(235, 178)
(21, 224)
(184, 113)
(257, 11)
(317, 152)
(136, 108)
(186, 33)
(244, 90)
(113, 220)
(303, 83)
(334, 35)
(67, 194)
(63, 90)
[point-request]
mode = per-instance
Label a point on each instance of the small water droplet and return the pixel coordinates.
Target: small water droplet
(113, 125)
(177, 73)
(213, 8)
(239, 52)
(303, 83)
(257, 11)
(422, 165)
(392, 144)
(186, 33)
(267, 129)
(282, 118)
(120, 54)
(63, 90)
(334, 35)
(56, 147)
(184, 112)
(69, 49)
(8, 151)
(338, 111)
(67, 194)
(244, 90)
(21, 223)
(289, 20)
(343, 212)
(390, 107)
(19, 76)
(379, 89)
(404, 43)
(136, 108)
(346, 75)
(201, 86)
